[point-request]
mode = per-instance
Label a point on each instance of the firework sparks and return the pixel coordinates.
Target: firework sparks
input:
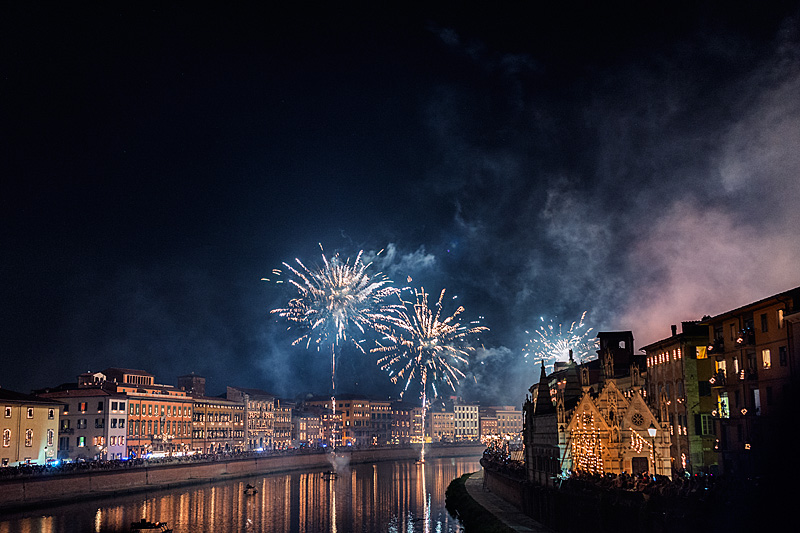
(335, 302)
(552, 342)
(421, 346)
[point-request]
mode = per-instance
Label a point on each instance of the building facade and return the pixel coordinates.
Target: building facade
(441, 426)
(93, 422)
(28, 429)
(218, 425)
(754, 351)
(466, 421)
(678, 374)
(259, 414)
(576, 423)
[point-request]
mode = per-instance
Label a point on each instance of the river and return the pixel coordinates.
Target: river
(395, 497)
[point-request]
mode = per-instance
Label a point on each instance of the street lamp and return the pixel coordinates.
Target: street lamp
(652, 432)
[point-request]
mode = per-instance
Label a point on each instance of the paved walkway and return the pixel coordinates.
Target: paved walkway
(504, 511)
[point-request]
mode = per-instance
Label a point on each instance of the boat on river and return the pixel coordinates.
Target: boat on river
(144, 526)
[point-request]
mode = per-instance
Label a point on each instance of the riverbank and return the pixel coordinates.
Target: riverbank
(18, 494)
(481, 510)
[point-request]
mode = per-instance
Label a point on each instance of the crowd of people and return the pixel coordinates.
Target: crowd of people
(680, 485)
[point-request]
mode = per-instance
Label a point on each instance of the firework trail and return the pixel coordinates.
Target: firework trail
(552, 342)
(335, 301)
(422, 347)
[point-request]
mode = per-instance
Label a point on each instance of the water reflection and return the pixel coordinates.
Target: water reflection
(401, 497)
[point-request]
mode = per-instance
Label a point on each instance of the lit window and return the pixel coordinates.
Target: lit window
(767, 359)
(81, 442)
(6, 438)
(30, 412)
(8, 412)
(705, 424)
(28, 437)
(50, 437)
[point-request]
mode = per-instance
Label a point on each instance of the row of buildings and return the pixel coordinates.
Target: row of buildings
(123, 413)
(710, 398)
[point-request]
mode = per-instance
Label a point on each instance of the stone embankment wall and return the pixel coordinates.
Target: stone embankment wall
(51, 489)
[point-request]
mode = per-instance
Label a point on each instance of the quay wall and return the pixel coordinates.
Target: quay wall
(45, 490)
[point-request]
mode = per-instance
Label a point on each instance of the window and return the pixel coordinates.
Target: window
(121, 422)
(81, 442)
(723, 405)
(50, 437)
(6, 438)
(764, 327)
(8, 412)
(82, 406)
(99, 422)
(99, 407)
(81, 423)
(28, 437)
(780, 318)
(766, 359)
(150, 409)
(782, 355)
(757, 401)
(705, 424)
(137, 408)
(30, 412)
(51, 414)
(114, 406)
(113, 423)
(65, 423)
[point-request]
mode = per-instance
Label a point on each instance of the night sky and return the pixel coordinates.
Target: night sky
(641, 166)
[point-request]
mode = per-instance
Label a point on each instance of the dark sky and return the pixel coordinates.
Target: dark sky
(158, 162)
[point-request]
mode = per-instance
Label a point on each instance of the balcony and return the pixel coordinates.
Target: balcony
(746, 337)
(718, 379)
(717, 347)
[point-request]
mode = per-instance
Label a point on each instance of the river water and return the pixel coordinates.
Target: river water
(395, 497)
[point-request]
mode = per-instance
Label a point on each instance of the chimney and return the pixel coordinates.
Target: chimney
(674, 330)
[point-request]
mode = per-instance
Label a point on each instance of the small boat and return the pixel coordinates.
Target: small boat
(145, 526)
(250, 489)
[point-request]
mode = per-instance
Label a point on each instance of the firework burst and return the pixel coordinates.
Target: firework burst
(335, 303)
(420, 346)
(552, 342)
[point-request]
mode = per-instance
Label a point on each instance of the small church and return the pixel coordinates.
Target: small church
(593, 417)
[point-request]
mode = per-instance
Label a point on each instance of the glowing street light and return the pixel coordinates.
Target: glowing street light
(652, 432)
